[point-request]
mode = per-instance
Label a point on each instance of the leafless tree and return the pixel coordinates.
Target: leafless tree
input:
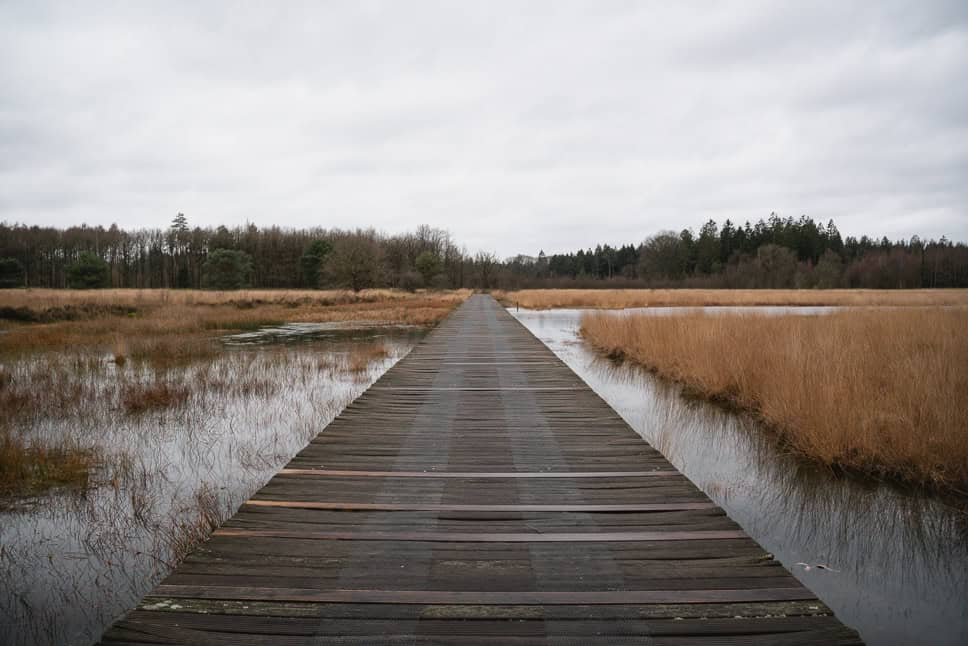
(355, 260)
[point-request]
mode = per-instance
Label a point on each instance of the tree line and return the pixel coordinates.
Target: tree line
(772, 253)
(182, 256)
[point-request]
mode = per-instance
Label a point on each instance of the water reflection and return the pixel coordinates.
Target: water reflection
(898, 560)
(312, 332)
(71, 562)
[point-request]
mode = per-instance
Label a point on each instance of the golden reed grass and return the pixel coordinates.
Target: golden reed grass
(174, 324)
(622, 298)
(48, 298)
(880, 391)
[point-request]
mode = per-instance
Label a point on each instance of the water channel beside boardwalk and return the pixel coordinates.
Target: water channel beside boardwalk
(895, 562)
(74, 560)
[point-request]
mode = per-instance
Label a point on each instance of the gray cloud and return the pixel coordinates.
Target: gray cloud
(514, 125)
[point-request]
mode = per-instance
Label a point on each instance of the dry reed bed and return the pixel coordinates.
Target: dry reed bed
(623, 298)
(880, 391)
(49, 298)
(175, 325)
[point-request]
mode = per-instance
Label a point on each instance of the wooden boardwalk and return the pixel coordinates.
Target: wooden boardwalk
(479, 493)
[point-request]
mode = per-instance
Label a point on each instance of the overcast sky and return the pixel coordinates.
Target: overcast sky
(517, 126)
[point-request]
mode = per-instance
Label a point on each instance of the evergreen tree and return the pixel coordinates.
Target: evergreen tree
(226, 269)
(180, 224)
(11, 273)
(311, 261)
(708, 248)
(88, 272)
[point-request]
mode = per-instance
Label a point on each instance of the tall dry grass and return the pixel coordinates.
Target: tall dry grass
(623, 298)
(880, 391)
(50, 298)
(175, 325)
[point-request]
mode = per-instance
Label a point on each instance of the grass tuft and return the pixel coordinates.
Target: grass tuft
(27, 470)
(140, 398)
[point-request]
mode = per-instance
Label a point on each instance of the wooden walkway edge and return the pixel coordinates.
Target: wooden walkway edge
(479, 493)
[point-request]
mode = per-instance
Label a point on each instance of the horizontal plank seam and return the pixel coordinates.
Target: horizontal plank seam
(488, 537)
(451, 597)
(363, 506)
(479, 474)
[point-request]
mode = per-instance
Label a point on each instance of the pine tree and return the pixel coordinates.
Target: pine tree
(180, 223)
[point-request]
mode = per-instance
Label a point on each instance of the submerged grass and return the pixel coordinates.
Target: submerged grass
(879, 391)
(622, 298)
(70, 355)
(125, 439)
(139, 398)
(29, 469)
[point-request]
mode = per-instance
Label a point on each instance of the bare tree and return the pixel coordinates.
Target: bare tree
(355, 261)
(486, 264)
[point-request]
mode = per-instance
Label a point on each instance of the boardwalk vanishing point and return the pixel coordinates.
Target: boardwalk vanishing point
(479, 493)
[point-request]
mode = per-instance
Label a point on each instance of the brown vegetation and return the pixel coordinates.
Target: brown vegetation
(881, 391)
(362, 356)
(623, 298)
(171, 325)
(139, 398)
(124, 298)
(26, 469)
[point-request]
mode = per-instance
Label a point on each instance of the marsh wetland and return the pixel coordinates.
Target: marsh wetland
(891, 561)
(135, 423)
(116, 463)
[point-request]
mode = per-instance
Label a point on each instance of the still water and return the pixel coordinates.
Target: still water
(71, 562)
(898, 561)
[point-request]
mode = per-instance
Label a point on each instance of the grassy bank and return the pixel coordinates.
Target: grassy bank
(622, 298)
(879, 391)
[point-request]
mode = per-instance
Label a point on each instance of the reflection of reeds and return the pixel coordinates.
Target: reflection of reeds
(887, 537)
(199, 519)
(879, 391)
(364, 354)
(622, 298)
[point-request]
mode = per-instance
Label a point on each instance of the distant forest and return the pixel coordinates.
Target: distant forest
(772, 253)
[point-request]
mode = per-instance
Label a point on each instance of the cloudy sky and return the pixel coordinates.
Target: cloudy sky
(516, 126)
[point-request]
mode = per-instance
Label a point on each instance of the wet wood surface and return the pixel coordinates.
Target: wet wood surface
(479, 493)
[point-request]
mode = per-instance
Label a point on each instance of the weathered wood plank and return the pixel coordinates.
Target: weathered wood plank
(479, 493)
